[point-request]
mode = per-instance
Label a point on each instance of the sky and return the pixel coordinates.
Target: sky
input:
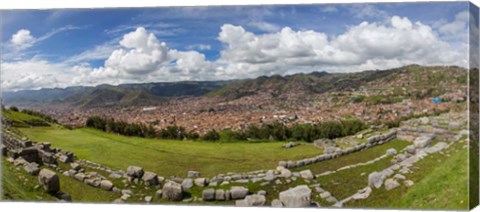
(88, 47)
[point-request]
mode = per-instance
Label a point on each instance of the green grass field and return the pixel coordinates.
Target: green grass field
(441, 182)
(169, 157)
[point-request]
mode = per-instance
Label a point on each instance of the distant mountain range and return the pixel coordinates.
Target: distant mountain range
(155, 93)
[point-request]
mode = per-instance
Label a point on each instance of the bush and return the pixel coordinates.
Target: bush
(211, 135)
(13, 108)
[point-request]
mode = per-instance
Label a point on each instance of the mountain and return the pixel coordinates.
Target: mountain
(105, 95)
(419, 78)
(303, 84)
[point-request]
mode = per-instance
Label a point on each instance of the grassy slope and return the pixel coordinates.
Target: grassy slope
(15, 187)
(169, 157)
(441, 182)
(21, 119)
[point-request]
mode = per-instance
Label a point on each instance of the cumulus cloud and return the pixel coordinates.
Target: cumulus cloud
(23, 39)
(367, 45)
(34, 74)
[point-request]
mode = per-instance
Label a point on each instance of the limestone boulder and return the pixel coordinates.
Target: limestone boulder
(106, 185)
(201, 182)
(187, 184)
(31, 168)
(220, 195)
(172, 191)
(307, 174)
(299, 196)
(208, 194)
(135, 171)
(150, 179)
(238, 192)
(375, 179)
(391, 184)
(49, 180)
(193, 174)
(251, 200)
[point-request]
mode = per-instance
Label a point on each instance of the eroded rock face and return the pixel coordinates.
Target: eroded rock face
(172, 191)
(135, 171)
(49, 180)
(299, 196)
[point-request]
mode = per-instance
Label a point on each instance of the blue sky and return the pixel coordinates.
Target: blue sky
(94, 46)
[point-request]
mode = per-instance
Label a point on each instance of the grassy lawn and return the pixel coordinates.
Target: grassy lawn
(441, 182)
(169, 157)
(22, 119)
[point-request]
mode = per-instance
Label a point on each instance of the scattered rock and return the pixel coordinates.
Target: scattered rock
(325, 194)
(262, 192)
(362, 193)
(208, 194)
(49, 180)
(135, 171)
(299, 196)
(158, 194)
(238, 192)
(391, 151)
(148, 199)
(411, 149)
(193, 174)
(32, 168)
(307, 174)
(220, 195)
(106, 185)
(277, 203)
(201, 182)
(408, 183)
(331, 199)
(375, 179)
(399, 176)
(391, 184)
(150, 179)
(251, 200)
(187, 184)
(172, 191)
(75, 166)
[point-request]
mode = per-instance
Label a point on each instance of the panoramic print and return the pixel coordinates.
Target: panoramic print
(324, 105)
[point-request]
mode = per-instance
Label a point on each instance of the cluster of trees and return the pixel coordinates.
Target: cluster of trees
(147, 131)
(276, 131)
(305, 132)
(121, 127)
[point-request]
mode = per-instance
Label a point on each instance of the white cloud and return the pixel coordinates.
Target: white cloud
(457, 29)
(34, 74)
(23, 39)
(201, 47)
(367, 45)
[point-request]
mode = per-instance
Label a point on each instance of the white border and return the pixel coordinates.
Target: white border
(53, 4)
